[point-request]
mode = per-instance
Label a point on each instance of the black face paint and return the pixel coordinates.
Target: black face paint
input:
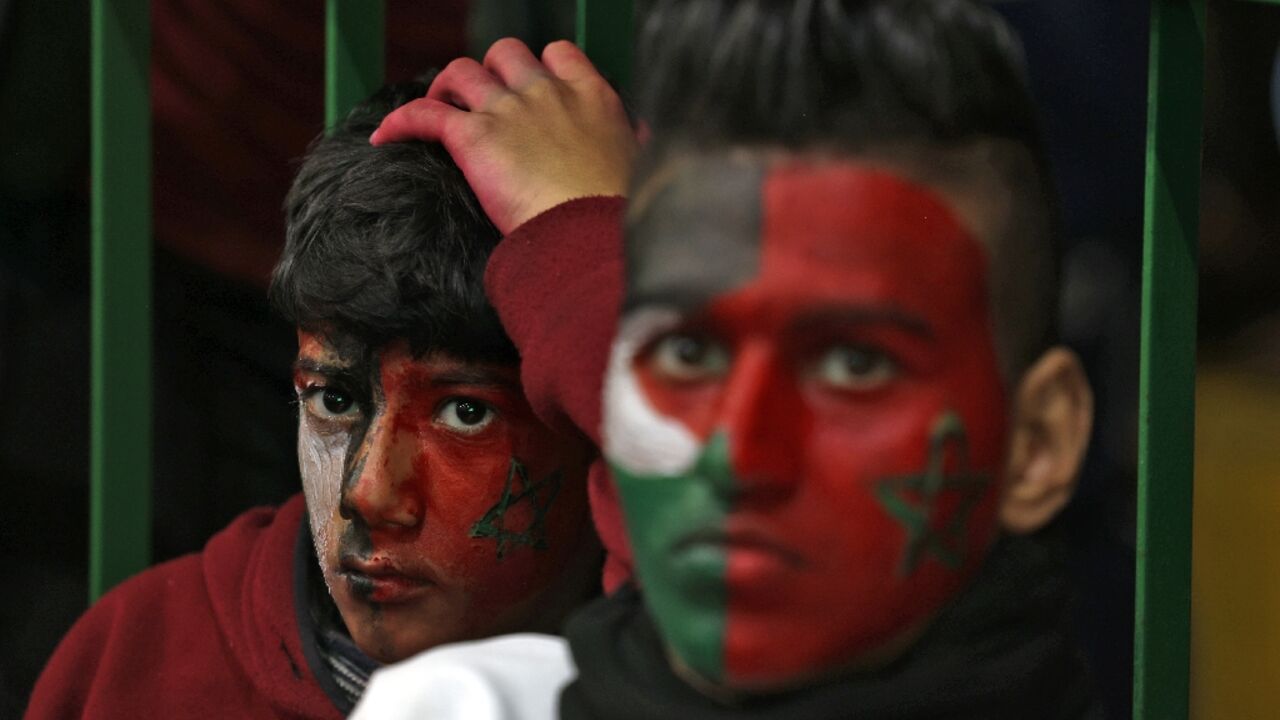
(698, 237)
(372, 402)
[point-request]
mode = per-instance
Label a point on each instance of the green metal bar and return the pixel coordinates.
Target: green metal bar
(120, 364)
(355, 54)
(1166, 412)
(604, 30)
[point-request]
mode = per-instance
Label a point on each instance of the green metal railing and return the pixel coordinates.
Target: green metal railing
(1167, 376)
(355, 54)
(120, 516)
(604, 33)
(120, 313)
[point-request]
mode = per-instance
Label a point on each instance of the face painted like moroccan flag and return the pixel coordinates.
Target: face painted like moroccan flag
(804, 415)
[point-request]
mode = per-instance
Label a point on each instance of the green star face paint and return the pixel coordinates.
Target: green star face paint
(806, 457)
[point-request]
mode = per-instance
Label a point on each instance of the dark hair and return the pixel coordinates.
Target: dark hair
(848, 76)
(831, 72)
(388, 242)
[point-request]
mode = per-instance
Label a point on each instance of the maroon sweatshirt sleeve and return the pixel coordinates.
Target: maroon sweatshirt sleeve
(557, 282)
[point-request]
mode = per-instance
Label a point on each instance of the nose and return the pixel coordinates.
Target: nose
(381, 484)
(765, 417)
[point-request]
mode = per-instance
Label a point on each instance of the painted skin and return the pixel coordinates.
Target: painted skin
(808, 462)
(406, 462)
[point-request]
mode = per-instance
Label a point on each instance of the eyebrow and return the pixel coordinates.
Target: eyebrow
(479, 377)
(328, 369)
(862, 315)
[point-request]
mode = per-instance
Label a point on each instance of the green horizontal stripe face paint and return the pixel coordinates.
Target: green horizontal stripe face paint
(674, 521)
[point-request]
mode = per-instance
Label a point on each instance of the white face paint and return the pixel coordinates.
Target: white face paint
(321, 458)
(636, 437)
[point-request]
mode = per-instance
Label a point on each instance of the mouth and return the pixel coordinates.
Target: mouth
(750, 545)
(381, 580)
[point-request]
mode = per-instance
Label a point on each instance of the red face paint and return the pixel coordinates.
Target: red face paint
(457, 515)
(856, 382)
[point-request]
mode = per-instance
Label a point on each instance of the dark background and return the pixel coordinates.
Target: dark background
(237, 94)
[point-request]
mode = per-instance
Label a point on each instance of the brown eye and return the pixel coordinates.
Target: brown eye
(465, 416)
(336, 401)
(331, 404)
(848, 367)
(688, 358)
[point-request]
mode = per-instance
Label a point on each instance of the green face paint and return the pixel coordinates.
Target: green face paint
(910, 499)
(675, 523)
(518, 489)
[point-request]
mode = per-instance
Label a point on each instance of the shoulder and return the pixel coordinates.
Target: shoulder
(141, 627)
(160, 639)
(513, 677)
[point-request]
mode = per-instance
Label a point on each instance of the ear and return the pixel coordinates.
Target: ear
(1052, 415)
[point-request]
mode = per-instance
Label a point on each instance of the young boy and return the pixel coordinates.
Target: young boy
(437, 508)
(833, 411)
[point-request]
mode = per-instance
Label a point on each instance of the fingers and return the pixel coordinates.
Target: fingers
(567, 62)
(425, 119)
(466, 84)
(513, 63)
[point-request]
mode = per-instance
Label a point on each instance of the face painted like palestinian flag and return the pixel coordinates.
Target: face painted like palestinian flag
(802, 411)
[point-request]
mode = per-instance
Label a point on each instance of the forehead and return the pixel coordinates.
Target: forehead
(828, 227)
(335, 353)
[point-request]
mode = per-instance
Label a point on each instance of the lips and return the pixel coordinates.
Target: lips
(382, 580)
(748, 543)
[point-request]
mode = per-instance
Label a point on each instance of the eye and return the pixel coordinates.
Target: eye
(848, 367)
(688, 358)
(465, 416)
(331, 403)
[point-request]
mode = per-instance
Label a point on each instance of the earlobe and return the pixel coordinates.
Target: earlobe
(1052, 417)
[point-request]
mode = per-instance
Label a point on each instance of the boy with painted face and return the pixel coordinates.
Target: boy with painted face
(437, 506)
(832, 409)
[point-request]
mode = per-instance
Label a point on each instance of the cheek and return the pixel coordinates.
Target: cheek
(506, 517)
(321, 459)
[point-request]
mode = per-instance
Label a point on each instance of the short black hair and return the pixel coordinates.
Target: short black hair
(388, 242)
(842, 73)
(854, 76)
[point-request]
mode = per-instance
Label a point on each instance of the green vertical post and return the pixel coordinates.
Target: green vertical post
(604, 30)
(1166, 412)
(355, 54)
(120, 363)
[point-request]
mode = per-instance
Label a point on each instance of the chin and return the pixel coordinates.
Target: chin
(393, 642)
(390, 633)
(818, 662)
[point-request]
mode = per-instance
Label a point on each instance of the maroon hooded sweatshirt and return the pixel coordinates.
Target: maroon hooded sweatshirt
(217, 634)
(210, 635)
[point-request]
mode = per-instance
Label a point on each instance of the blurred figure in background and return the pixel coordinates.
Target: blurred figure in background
(1236, 572)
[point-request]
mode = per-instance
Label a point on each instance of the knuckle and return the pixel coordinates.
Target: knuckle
(540, 86)
(506, 104)
(502, 48)
(457, 65)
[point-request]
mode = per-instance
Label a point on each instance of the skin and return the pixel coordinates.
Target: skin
(406, 461)
(810, 396)
(578, 144)
(744, 482)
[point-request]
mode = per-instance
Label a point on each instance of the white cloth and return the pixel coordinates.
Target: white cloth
(512, 677)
